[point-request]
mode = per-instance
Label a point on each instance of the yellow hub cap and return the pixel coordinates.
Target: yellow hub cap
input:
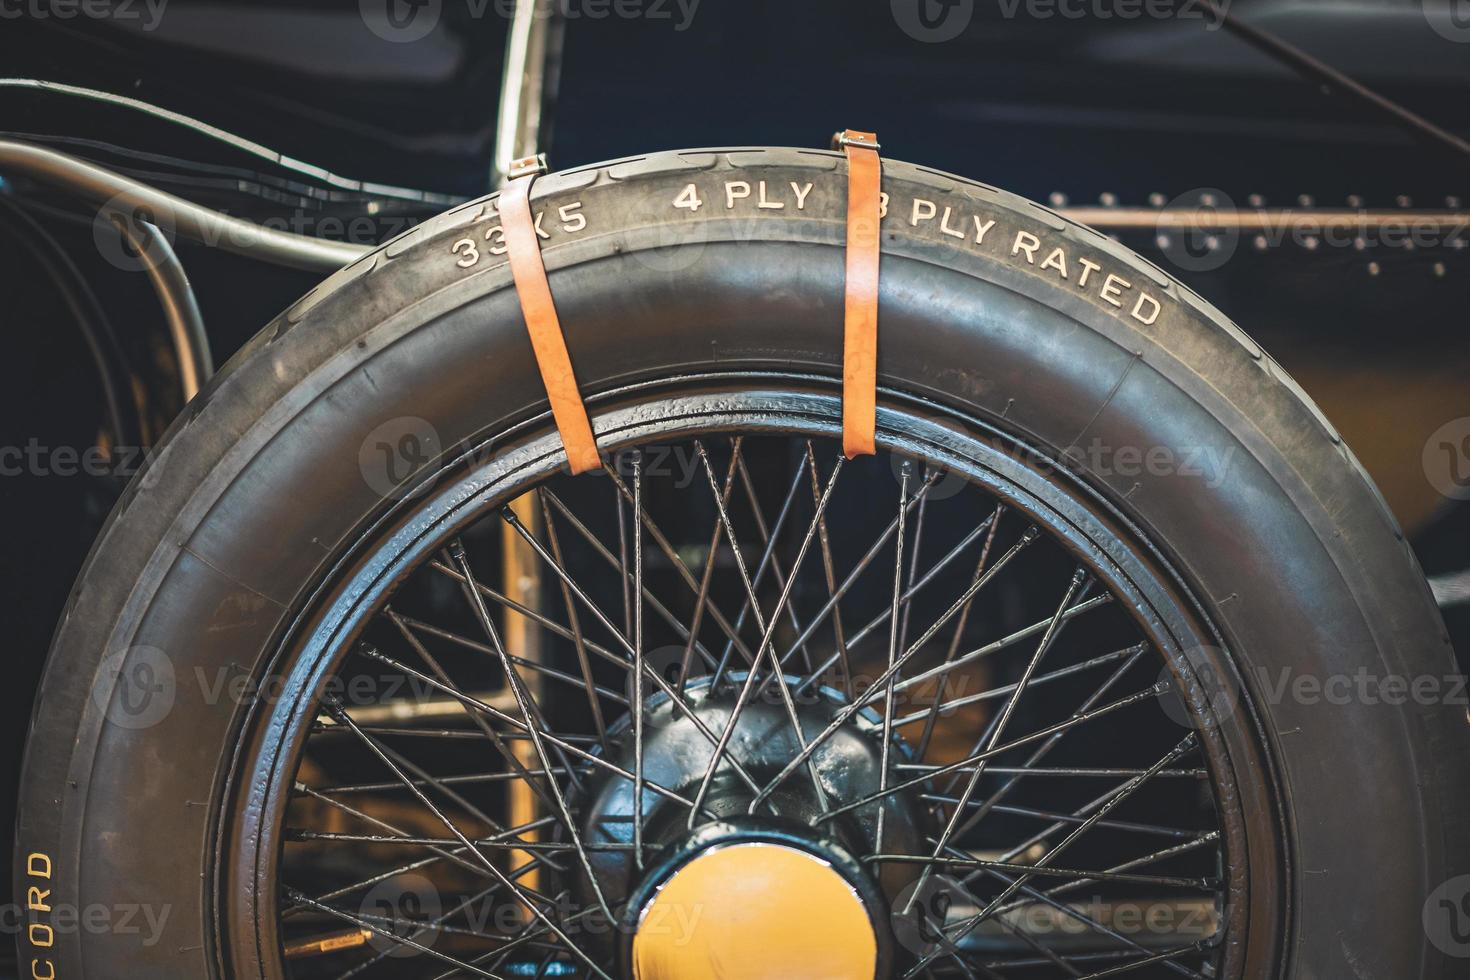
(755, 911)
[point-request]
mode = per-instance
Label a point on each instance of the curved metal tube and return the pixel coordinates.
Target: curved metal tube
(237, 142)
(103, 187)
(124, 422)
(176, 296)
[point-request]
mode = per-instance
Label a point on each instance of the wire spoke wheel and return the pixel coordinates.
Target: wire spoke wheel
(931, 713)
(360, 683)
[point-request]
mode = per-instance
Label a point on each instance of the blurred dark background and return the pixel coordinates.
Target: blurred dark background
(1071, 103)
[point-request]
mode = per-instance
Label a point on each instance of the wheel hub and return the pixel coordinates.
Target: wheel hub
(736, 890)
(755, 909)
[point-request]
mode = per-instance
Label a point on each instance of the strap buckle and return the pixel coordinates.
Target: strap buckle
(528, 166)
(844, 138)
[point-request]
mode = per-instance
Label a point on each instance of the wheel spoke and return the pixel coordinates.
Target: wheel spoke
(749, 686)
(393, 833)
(1042, 871)
(646, 671)
(847, 713)
(1005, 642)
(1166, 958)
(505, 751)
(1089, 922)
(638, 700)
(856, 573)
(768, 542)
(931, 575)
(621, 635)
(520, 893)
(593, 705)
(1204, 840)
(959, 819)
(933, 712)
(1051, 743)
(707, 576)
(768, 561)
(427, 927)
(1056, 851)
(378, 930)
(760, 621)
(967, 763)
(895, 638)
(491, 712)
(672, 554)
(839, 634)
(408, 625)
(922, 750)
(1066, 818)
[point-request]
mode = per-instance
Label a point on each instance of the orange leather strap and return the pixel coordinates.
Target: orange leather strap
(860, 325)
(547, 340)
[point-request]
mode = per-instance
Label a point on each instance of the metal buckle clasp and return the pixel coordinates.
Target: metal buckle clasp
(526, 166)
(852, 137)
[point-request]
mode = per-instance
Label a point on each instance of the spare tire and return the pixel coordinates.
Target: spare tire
(701, 293)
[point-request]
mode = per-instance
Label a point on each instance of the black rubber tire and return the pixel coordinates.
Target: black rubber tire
(259, 486)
